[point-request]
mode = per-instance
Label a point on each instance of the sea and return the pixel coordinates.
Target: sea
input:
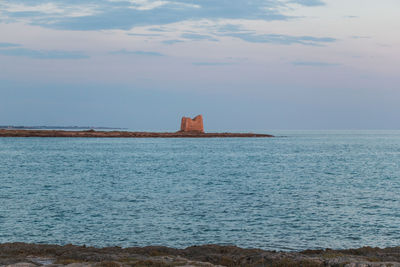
(300, 190)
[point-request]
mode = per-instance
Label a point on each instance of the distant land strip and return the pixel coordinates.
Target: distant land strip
(121, 134)
(12, 127)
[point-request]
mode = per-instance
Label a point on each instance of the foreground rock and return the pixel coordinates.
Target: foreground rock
(31, 255)
(121, 134)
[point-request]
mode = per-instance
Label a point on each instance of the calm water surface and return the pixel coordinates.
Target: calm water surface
(304, 190)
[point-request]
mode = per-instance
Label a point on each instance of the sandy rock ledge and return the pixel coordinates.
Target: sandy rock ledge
(32, 255)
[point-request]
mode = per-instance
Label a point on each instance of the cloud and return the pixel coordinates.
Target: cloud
(308, 2)
(171, 42)
(237, 31)
(229, 28)
(282, 39)
(43, 54)
(137, 52)
(125, 14)
(212, 63)
(351, 17)
(2, 45)
(157, 30)
(147, 5)
(314, 64)
(145, 34)
(46, 9)
(360, 37)
(197, 37)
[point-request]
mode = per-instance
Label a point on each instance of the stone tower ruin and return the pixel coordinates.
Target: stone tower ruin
(192, 125)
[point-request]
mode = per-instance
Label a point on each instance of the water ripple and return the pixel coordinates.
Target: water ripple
(307, 190)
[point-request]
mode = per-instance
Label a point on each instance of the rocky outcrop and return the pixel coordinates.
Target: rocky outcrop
(192, 125)
(32, 255)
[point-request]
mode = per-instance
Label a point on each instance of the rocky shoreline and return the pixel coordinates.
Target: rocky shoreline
(122, 134)
(32, 255)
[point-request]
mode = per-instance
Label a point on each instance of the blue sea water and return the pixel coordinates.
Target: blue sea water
(336, 189)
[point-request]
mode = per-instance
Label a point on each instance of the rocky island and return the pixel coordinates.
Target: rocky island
(190, 128)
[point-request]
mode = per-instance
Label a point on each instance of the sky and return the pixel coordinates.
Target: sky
(245, 65)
